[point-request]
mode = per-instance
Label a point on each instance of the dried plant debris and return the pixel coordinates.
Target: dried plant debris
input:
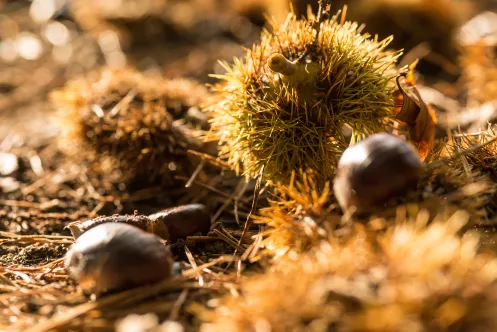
(477, 88)
(133, 143)
(298, 218)
(414, 277)
(130, 127)
(43, 298)
(306, 211)
(147, 323)
(413, 111)
(297, 99)
(480, 150)
(477, 156)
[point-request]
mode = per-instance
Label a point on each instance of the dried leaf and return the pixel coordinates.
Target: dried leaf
(410, 103)
(412, 110)
(423, 133)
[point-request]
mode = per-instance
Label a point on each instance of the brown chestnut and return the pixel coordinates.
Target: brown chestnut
(142, 222)
(183, 221)
(375, 170)
(170, 224)
(114, 256)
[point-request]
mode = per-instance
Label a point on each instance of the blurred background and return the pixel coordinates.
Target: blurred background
(44, 43)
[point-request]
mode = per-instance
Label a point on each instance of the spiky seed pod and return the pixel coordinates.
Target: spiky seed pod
(281, 113)
(412, 278)
(479, 150)
(300, 217)
(113, 256)
(374, 170)
(124, 124)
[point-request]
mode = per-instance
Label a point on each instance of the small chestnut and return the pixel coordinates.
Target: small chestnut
(183, 221)
(170, 224)
(114, 256)
(142, 222)
(375, 170)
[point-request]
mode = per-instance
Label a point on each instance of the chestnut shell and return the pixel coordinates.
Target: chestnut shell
(113, 256)
(183, 221)
(374, 171)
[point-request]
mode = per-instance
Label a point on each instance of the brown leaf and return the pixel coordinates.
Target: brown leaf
(410, 102)
(412, 110)
(423, 133)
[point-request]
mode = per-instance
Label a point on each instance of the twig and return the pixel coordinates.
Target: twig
(212, 160)
(227, 239)
(195, 173)
(236, 195)
(174, 314)
(217, 191)
(248, 221)
(30, 205)
(34, 237)
(191, 259)
(194, 271)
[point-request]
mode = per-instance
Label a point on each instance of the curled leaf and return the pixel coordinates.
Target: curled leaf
(423, 133)
(410, 103)
(419, 116)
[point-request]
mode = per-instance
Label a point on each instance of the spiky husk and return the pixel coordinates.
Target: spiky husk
(412, 278)
(283, 123)
(479, 158)
(122, 123)
(482, 159)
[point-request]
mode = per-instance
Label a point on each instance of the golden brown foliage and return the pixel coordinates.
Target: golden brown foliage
(412, 278)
